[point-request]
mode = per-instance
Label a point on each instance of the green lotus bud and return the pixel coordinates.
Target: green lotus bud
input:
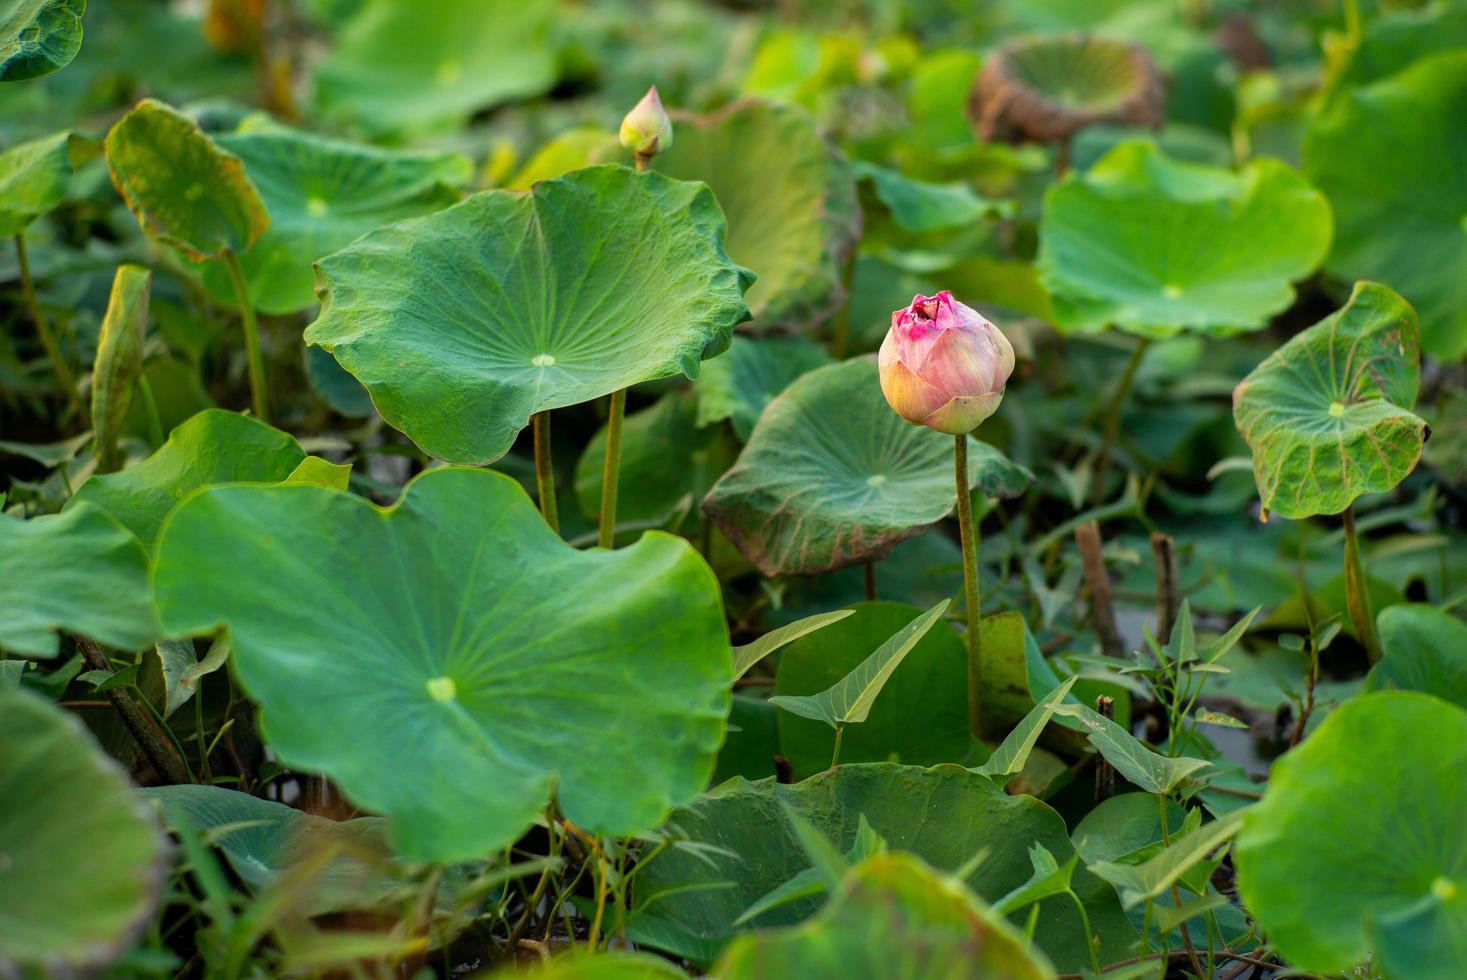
(646, 130)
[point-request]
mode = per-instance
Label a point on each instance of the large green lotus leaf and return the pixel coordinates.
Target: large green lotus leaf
(469, 655)
(737, 385)
(464, 323)
(1381, 777)
(431, 64)
(81, 860)
(38, 36)
(831, 476)
(263, 840)
(323, 194)
(1389, 157)
(1423, 649)
(184, 190)
(931, 684)
(1328, 414)
(667, 464)
(944, 815)
(790, 199)
(1395, 39)
(1154, 246)
(81, 572)
(892, 917)
(215, 446)
(35, 176)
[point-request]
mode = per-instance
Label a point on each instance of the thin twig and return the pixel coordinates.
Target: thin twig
(155, 747)
(1105, 774)
(1102, 612)
(1168, 596)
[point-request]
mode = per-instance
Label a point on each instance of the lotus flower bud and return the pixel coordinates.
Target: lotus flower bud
(943, 365)
(646, 130)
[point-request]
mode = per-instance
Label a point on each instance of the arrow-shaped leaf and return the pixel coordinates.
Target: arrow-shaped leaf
(1008, 759)
(749, 654)
(1138, 882)
(1147, 769)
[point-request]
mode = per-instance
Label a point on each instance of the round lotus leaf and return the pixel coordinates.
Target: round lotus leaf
(38, 36)
(1154, 246)
(831, 476)
(1049, 87)
(944, 815)
(81, 859)
(1423, 649)
(892, 917)
(1358, 841)
(790, 200)
(1389, 157)
(35, 176)
(79, 571)
(431, 64)
(737, 385)
(464, 323)
(448, 661)
(323, 194)
(185, 191)
(1395, 39)
(215, 446)
(1328, 414)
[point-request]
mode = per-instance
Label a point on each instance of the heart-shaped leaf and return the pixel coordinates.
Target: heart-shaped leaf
(790, 200)
(432, 63)
(737, 385)
(80, 572)
(38, 36)
(214, 446)
(466, 646)
(83, 860)
(1154, 246)
(322, 194)
(740, 837)
(185, 191)
(831, 476)
(892, 909)
(1328, 414)
(119, 360)
(1389, 156)
(466, 322)
(1348, 790)
(35, 176)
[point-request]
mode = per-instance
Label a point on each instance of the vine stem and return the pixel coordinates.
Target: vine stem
(969, 535)
(1357, 597)
(609, 471)
(835, 755)
(59, 367)
(1113, 420)
(544, 472)
(259, 399)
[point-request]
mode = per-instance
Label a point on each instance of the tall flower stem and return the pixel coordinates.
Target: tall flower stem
(1357, 598)
(609, 471)
(59, 367)
(969, 533)
(544, 472)
(1113, 420)
(259, 398)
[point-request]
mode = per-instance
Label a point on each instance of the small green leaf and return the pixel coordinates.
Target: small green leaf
(811, 881)
(1138, 882)
(35, 176)
(918, 206)
(849, 701)
(182, 669)
(1050, 878)
(321, 473)
(1328, 414)
(119, 360)
(185, 191)
(38, 37)
(1148, 770)
(749, 654)
(1009, 758)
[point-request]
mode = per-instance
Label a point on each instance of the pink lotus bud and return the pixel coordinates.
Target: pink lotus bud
(646, 130)
(943, 365)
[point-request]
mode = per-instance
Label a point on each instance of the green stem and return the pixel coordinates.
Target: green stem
(1113, 420)
(835, 755)
(969, 535)
(544, 471)
(204, 771)
(259, 400)
(840, 340)
(1357, 596)
(59, 367)
(1089, 937)
(609, 472)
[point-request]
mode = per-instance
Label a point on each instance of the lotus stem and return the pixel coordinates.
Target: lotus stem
(870, 580)
(59, 367)
(835, 754)
(259, 398)
(1113, 421)
(609, 472)
(840, 340)
(969, 534)
(1357, 596)
(544, 471)
(156, 748)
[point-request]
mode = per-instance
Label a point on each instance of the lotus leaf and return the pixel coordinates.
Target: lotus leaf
(35, 176)
(38, 37)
